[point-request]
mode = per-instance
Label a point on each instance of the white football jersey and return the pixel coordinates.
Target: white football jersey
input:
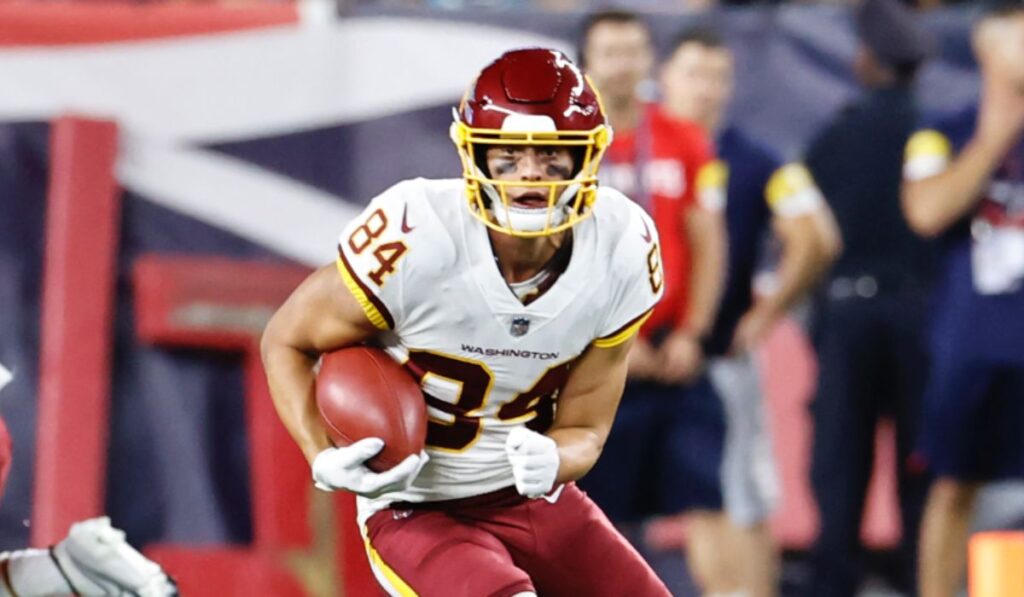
(423, 269)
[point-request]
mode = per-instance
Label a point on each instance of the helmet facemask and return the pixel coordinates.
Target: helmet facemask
(568, 201)
(535, 98)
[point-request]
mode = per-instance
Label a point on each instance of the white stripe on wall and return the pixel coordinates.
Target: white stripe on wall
(296, 220)
(243, 85)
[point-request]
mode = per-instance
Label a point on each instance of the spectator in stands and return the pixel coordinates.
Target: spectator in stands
(664, 452)
(965, 186)
(697, 82)
(869, 321)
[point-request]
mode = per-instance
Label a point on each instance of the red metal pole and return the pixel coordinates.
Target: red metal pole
(79, 279)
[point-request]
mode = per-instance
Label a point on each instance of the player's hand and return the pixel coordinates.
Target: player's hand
(752, 329)
(345, 468)
(681, 358)
(534, 459)
(96, 560)
(643, 360)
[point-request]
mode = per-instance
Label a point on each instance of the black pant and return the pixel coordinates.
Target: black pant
(872, 364)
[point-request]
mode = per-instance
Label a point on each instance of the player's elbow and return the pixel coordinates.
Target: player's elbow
(922, 215)
(270, 339)
(266, 345)
(598, 436)
(830, 245)
(593, 445)
(925, 226)
(705, 231)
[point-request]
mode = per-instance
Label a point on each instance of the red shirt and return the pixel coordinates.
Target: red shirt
(670, 152)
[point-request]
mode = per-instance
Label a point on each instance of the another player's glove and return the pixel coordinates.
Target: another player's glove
(345, 468)
(96, 560)
(534, 459)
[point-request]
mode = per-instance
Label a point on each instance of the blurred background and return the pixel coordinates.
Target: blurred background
(170, 170)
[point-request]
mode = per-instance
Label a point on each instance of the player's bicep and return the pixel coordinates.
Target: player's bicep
(926, 179)
(592, 393)
(792, 192)
(704, 219)
(703, 226)
(321, 315)
(712, 180)
(815, 230)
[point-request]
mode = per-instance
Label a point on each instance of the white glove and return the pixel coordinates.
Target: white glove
(96, 560)
(534, 459)
(345, 468)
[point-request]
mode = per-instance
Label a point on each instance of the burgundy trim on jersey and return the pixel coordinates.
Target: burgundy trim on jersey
(5, 576)
(557, 265)
(624, 326)
(501, 498)
(370, 296)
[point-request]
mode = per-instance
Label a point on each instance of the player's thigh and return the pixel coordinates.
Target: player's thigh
(956, 402)
(428, 553)
(694, 444)
(620, 479)
(999, 451)
(847, 351)
(750, 483)
(579, 552)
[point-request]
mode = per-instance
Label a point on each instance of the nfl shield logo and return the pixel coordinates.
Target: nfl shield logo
(520, 325)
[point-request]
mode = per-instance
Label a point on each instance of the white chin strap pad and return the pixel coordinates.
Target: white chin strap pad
(530, 220)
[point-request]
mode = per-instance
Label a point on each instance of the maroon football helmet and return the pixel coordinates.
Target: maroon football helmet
(534, 97)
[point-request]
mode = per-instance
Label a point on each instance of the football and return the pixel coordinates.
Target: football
(362, 392)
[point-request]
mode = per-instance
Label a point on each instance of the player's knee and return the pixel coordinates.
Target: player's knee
(953, 495)
(707, 520)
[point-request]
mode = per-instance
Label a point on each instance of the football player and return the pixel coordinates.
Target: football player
(513, 294)
(964, 184)
(763, 195)
(869, 319)
(93, 560)
(670, 419)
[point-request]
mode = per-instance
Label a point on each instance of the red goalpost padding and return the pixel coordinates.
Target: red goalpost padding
(79, 280)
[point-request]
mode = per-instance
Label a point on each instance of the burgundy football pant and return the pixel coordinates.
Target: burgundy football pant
(501, 543)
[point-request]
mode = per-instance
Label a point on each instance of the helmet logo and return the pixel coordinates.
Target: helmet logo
(541, 85)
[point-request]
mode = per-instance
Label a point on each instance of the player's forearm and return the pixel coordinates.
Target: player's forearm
(586, 408)
(706, 232)
(794, 278)
(931, 205)
(808, 251)
(578, 450)
(292, 388)
(320, 316)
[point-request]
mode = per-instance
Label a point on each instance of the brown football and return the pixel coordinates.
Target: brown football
(362, 392)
